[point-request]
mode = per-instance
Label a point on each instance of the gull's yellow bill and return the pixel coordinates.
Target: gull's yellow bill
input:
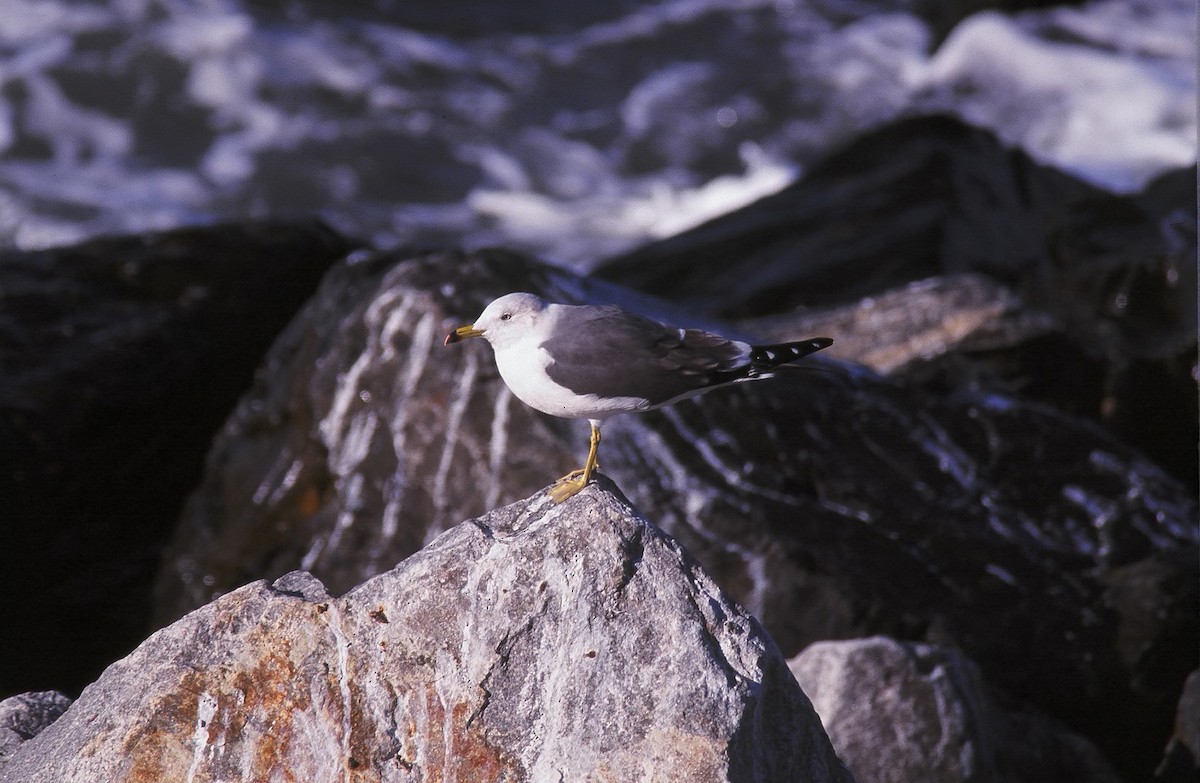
(462, 333)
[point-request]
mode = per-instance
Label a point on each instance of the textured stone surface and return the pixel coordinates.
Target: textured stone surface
(120, 357)
(539, 642)
(931, 197)
(976, 520)
(917, 322)
(898, 712)
(24, 716)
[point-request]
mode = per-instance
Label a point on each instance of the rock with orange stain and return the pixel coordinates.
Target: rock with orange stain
(833, 504)
(538, 642)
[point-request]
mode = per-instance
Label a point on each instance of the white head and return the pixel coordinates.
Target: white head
(506, 319)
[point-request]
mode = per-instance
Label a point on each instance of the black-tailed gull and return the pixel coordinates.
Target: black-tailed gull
(591, 362)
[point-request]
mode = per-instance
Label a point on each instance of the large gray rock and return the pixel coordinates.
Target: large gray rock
(538, 642)
(831, 504)
(898, 712)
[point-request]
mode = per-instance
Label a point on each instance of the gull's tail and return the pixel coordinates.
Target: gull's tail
(765, 357)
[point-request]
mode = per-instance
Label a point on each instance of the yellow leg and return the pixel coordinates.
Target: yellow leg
(576, 480)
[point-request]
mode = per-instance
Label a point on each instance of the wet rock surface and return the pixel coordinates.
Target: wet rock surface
(997, 462)
(929, 198)
(538, 642)
(832, 503)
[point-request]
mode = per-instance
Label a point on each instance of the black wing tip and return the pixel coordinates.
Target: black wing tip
(764, 357)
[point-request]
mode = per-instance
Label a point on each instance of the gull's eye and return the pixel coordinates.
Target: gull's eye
(506, 317)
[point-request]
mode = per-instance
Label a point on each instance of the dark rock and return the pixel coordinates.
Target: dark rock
(120, 359)
(929, 197)
(538, 642)
(916, 199)
(956, 332)
(832, 504)
(898, 712)
(24, 716)
(967, 331)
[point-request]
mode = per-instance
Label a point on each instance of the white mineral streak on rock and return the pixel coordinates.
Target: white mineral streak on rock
(277, 479)
(459, 400)
(333, 425)
(497, 446)
(206, 708)
(408, 377)
(755, 562)
(703, 444)
(343, 656)
(351, 491)
(951, 458)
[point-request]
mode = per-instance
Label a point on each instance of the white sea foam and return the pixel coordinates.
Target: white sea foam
(626, 212)
(1104, 91)
(24, 21)
(121, 115)
(1116, 119)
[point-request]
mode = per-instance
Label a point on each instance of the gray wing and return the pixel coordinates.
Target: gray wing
(609, 352)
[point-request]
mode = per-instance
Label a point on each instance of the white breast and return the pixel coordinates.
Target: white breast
(523, 365)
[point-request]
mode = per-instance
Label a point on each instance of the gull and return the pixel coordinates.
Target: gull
(595, 361)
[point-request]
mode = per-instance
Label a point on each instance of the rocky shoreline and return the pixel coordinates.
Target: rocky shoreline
(984, 494)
